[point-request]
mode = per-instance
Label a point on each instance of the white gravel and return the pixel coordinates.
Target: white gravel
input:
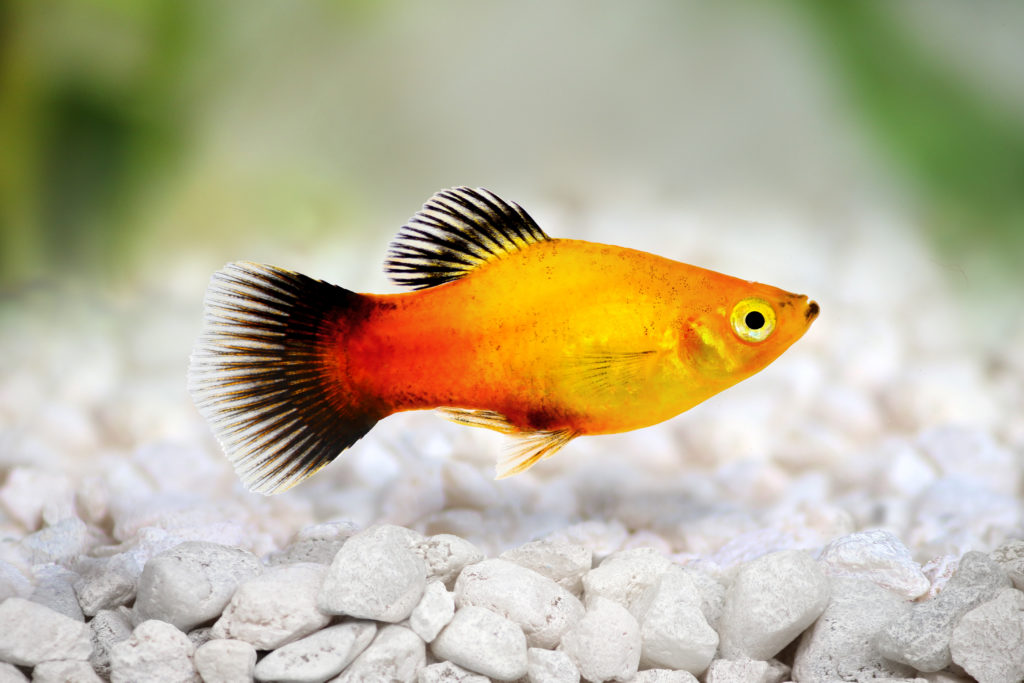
(853, 512)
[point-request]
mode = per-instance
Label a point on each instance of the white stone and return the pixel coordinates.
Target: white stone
(841, 644)
(605, 644)
(54, 588)
(156, 651)
(663, 676)
(224, 660)
(674, 632)
(445, 555)
(746, 671)
(27, 492)
(602, 538)
(966, 453)
(275, 608)
(11, 674)
(1010, 556)
(64, 671)
(625, 575)
(59, 542)
(446, 672)
(106, 583)
(770, 602)
(31, 633)
(317, 543)
(435, 610)
(375, 575)
(543, 609)
(13, 583)
(712, 594)
(108, 627)
(563, 563)
(396, 654)
(988, 641)
(484, 642)
(550, 666)
(878, 556)
(192, 583)
(921, 637)
(319, 656)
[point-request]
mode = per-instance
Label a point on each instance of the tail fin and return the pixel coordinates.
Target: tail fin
(265, 374)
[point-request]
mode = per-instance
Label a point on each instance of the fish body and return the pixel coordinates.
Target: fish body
(544, 339)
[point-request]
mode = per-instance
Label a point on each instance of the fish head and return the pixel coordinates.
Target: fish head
(744, 327)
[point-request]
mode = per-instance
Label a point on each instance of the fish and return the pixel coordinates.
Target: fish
(501, 327)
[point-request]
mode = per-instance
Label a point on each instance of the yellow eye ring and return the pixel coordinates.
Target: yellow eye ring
(753, 320)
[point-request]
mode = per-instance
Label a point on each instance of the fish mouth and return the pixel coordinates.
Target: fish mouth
(812, 311)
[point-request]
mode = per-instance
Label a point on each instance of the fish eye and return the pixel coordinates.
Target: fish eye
(753, 320)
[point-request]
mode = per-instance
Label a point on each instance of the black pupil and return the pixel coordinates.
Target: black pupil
(754, 320)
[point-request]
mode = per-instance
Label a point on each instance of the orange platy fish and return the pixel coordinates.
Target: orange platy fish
(543, 339)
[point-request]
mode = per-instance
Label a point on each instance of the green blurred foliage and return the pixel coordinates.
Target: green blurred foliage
(129, 128)
(961, 149)
(93, 115)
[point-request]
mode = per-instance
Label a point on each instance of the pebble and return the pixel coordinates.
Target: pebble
(108, 628)
(841, 644)
(1010, 556)
(921, 637)
(625, 575)
(605, 644)
(192, 583)
(563, 563)
(59, 542)
(550, 666)
(483, 642)
(106, 583)
(13, 583)
(600, 537)
(64, 671)
(712, 594)
(55, 589)
(27, 492)
(988, 641)
(316, 543)
(543, 609)
(445, 556)
(396, 654)
(11, 674)
(446, 672)
(663, 676)
(31, 633)
(376, 575)
(224, 660)
(434, 611)
(878, 556)
(770, 602)
(747, 671)
(673, 629)
(275, 608)
(319, 656)
(156, 651)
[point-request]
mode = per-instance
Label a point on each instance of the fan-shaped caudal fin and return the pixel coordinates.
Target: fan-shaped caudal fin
(266, 376)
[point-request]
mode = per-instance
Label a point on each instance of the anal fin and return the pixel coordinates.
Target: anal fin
(527, 450)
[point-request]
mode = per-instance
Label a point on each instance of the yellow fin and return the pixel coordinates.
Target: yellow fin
(531, 447)
(479, 418)
(528, 448)
(597, 371)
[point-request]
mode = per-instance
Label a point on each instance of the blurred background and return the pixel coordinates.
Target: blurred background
(135, 137)
(870, 154)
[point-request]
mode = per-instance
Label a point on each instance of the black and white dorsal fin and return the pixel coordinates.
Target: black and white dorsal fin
(456, 231)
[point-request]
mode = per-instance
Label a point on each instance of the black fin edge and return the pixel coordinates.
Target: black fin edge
(456, 231)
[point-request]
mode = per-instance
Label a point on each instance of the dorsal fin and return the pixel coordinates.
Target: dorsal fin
(456, 231)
